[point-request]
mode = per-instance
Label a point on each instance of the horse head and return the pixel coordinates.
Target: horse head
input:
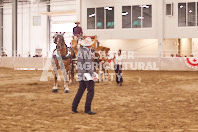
(59, 40)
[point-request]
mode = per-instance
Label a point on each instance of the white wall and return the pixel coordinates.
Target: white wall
(1, 31)
(170, 27)
(7, 29)
(29, 37)
(195, 47)
(170, 47)
(118, 32)
(32, 37)
(164, 28)
(63, 6)
(186, 46)
(171, 23)
(140, 47)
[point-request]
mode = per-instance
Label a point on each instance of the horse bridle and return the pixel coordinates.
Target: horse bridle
(57, 41)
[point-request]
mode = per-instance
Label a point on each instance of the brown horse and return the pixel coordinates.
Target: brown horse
(62, 57)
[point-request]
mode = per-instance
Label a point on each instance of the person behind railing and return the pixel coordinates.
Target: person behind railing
(178, 55)
(4, 54)
(29, 55)
(38, 55)
(77, 32)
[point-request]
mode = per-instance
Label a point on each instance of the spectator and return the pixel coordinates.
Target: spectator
(191, 55)
(177, 55)
(29, 55)
(4, 54)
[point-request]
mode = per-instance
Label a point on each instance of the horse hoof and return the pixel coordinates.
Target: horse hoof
(55, 90)
(66, 91)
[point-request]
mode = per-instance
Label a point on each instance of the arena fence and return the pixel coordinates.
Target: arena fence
(137, 63)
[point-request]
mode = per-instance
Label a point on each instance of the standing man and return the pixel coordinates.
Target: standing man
(77, 32)
(86, 76)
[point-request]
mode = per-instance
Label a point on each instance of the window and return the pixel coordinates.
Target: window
(90, 18)
(100, 18)
(126, 17)
(191, 14)
(169, 9)
(197, 13)
(109, 17)
(136, 17)
(36, 21)
(187, 14)
(181, 14)
(147, 16)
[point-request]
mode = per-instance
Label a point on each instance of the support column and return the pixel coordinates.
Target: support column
(14, 28)
(160, 26)
(48, 28)
(1, 31)
(160, 29)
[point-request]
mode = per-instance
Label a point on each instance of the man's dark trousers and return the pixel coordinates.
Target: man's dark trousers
(82, 86)
(118, 71)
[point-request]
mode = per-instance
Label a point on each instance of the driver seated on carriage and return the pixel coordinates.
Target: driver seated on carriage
(77, 32)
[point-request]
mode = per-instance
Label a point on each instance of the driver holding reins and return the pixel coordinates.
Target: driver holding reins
(77, 32)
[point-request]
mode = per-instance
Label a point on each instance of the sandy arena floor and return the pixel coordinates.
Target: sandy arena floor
(148, 101)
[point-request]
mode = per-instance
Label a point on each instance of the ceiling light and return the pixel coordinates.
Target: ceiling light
(125, 13)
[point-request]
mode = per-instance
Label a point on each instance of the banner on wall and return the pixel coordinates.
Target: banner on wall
(191, 62)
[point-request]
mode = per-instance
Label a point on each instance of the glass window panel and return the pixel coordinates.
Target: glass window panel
(100, 18)
(181, 14)
(109, 17)
(168, 9)
(191, 14)
(36, 20)
(91, 18)
(147, 15)
(126, 17)
(136, 16)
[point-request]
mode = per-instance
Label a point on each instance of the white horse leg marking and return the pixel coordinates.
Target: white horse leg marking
(64, 73)
(55, 87)
(66, 83)
(66, 87)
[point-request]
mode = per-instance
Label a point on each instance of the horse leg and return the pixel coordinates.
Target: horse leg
(70, 73)
(66, 82)
(54, 64)
(66, 86)
(55, 87)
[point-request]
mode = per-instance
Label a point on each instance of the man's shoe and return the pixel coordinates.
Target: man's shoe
(90, 112)
(74, 111)
(120, 84)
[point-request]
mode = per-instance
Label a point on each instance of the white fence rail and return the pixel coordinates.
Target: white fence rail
(138, 63)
